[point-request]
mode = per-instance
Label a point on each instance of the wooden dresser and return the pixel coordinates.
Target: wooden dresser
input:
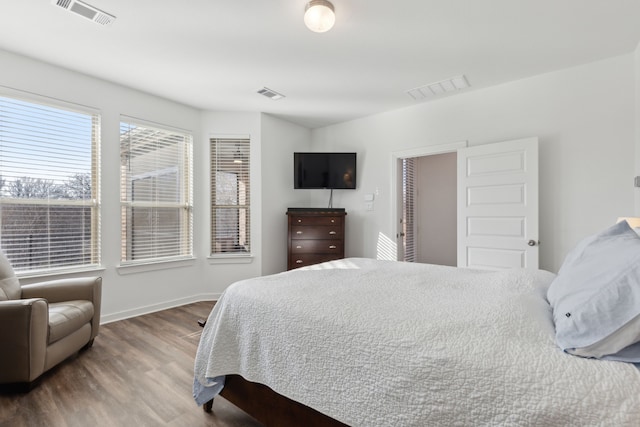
(315, 235)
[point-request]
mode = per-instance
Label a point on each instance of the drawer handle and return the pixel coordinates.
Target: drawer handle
(298, 247)
(298, 232)
(299, 220)
(332, 233)
(298, 261)
(333, 220)
(332, 246)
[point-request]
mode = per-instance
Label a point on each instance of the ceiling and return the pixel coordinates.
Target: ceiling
(216, 54)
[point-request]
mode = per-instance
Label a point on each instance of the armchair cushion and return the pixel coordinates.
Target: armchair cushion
(9, 284)
(67, 317)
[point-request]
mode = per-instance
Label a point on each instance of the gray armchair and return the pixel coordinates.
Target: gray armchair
(42, 324)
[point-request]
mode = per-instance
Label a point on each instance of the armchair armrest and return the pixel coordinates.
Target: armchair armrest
(78, 288)
(24, 326)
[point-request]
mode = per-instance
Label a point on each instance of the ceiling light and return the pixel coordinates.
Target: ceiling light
(319, 16)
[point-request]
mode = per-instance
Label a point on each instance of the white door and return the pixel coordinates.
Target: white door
(498, 205)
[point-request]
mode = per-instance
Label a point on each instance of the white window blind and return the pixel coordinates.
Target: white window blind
(230, 196)
(408, 209)
(49, 186)
(155, 193)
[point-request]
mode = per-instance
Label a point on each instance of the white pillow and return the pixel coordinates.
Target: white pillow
(596, 296)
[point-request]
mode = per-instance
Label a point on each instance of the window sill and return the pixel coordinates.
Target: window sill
(142, 267)
(230, 259)
(59, 274)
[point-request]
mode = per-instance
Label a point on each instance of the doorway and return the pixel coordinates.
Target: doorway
(497, 204)
(426, 204)
(429, 213)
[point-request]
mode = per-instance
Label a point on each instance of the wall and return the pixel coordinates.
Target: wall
(583, 116)
(273, 142)
(637, 120)
(218, 273)
(136, 290)
(436, 213)
(279, 141)
(126, 291)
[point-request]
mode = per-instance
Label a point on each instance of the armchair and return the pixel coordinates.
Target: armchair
(44, 323)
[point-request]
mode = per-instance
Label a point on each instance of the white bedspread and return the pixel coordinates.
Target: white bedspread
(379, 343)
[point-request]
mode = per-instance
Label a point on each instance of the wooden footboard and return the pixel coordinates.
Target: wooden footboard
(269, 407)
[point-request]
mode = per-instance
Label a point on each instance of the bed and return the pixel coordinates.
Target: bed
(365, 342)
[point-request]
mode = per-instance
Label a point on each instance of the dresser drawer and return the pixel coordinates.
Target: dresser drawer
(316, 246)
(316, 232)
(315, 220)
(314, 236)
(302, 260)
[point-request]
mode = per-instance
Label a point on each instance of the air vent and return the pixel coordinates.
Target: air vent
(271, 94)
(438, 88)
(85, 10)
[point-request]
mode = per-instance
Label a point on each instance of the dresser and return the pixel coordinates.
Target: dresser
(315, 235)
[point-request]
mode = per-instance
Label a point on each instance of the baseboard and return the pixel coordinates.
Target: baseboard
(126, 314)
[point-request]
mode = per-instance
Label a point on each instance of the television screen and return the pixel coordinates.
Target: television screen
(324, 170)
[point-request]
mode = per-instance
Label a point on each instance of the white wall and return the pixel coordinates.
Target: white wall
(279, 141)
(218, 274)
(273, 142)
(127, 291)
(583, 116)
(360, 224)
(131, 291)
(637, 120)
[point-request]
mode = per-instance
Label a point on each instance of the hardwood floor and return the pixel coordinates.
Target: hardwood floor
(139, 372)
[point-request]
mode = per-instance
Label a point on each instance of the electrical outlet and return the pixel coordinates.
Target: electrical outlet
(368, 206)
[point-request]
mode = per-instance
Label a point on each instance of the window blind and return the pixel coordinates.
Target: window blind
(49, 185)
(408, 209)
(155, 193)
(230, 196)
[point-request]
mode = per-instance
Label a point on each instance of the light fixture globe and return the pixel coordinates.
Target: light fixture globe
(319, 16)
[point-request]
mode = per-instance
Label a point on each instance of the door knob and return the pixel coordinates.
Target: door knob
(531, 243)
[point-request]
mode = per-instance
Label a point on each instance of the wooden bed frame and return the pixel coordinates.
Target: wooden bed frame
(269, 407)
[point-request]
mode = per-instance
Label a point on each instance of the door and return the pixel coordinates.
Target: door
(498, 205)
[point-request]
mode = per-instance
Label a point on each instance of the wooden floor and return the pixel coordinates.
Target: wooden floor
(139, 372)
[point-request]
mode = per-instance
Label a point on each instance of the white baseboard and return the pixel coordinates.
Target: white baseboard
(126, 314)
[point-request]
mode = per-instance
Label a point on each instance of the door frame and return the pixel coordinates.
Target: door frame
(396, 180)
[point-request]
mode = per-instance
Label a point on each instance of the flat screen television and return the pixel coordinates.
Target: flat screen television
(324, 170)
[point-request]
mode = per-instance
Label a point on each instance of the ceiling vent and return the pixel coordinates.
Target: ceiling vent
(438, 88)
(271, 94)
(85, 10)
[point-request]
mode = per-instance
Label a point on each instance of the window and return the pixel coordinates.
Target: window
(49, 186)
(408, 208)
(230, 230)
(155, 193)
